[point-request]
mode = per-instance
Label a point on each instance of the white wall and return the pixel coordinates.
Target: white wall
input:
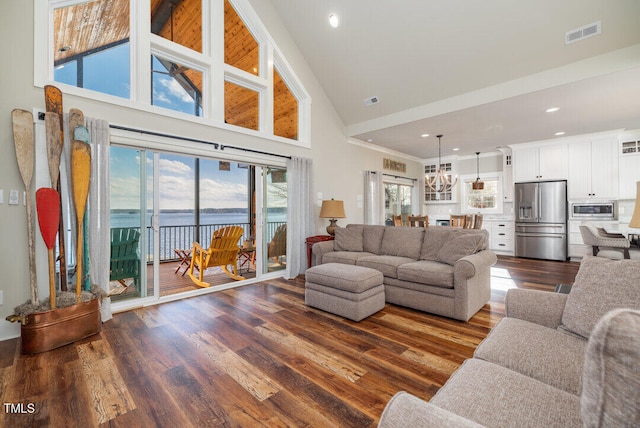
(338, 165)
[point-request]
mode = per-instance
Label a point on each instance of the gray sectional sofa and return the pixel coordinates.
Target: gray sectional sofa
(440, 270)
(556, 360)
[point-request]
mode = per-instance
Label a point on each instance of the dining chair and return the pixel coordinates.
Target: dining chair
(418, 220)
(397, 220)
(456, 220)
(477, 221)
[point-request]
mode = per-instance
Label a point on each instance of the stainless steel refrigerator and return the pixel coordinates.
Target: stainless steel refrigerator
(541, 220)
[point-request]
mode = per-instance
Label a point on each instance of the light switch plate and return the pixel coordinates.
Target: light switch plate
(1, 196)
(13, 197)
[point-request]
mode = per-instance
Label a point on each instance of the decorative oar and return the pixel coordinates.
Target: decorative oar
(53, 103)
(76, 118)
(25, 154)
(81, 133)
(54, 148)
(48, 206)
(80, 177)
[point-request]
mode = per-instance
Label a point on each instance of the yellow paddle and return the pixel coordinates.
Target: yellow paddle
(80, 177)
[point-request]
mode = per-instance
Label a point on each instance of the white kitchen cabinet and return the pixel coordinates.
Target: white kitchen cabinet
(537, 163)
(593, 169)
(628, 175)
(507, 177)
(500, 235)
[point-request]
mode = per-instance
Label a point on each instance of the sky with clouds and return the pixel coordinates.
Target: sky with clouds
(218, 189)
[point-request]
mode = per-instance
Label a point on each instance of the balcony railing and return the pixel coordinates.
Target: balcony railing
(182, 237)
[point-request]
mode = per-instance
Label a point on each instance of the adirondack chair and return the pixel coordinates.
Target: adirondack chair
(125, 256)
(223, 251)
(277, 248)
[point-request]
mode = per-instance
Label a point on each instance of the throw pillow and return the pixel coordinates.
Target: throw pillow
(348, 239)
(402, 241)
(434, 238)
(459, 247)
(600, 286)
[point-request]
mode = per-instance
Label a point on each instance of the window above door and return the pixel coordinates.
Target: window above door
(212, 60)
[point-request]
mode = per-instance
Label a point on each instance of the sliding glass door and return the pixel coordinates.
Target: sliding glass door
(275, 219)
(161, 203)
(131, 229)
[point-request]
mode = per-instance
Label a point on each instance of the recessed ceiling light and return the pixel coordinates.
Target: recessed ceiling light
(455, 149)
(560, 133)
(424, 135)
(64, 49)
(369, 140)
(552, 109)
(333, 20)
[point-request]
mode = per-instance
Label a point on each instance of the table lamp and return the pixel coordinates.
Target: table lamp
(332, 210)
(635, 218)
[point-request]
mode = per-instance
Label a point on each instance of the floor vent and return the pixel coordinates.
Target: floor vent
(371, 101)
(582, 32)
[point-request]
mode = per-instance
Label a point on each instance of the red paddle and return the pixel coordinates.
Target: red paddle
(48, 206)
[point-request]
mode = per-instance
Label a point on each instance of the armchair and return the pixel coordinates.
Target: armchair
(610, 245)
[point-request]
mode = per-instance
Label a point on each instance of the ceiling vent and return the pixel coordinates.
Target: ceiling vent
(582, 32)
(371, 101)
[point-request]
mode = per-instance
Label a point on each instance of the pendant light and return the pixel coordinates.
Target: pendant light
(478, 184)
(441, 181)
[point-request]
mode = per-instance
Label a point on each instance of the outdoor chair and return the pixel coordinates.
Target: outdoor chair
(397, 220)
(125, 256)
(277, 248)
(223, 252)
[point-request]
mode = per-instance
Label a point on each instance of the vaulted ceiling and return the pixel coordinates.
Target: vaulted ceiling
(480, 72)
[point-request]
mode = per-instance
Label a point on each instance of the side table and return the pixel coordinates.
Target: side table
(312, 240)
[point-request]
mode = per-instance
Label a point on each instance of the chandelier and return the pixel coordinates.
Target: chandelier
(441, 181)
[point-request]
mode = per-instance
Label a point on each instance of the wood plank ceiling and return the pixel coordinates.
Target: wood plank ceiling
(91, 27)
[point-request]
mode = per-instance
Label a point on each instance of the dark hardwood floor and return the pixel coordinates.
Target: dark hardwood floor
(251, 356)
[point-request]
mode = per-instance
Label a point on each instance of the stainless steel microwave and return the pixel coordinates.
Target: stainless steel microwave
(595, 210)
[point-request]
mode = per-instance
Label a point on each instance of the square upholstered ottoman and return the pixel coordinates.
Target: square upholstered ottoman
(354, 292)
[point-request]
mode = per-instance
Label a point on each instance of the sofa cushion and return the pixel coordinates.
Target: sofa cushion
(388, 265)
(427, 272)
(344, 257)
(543, 353)
(372, 237)
(348, 238)
(459, 247)
(495, 396)
(402, 241)
(611, 388)
(434, 238)
(600, 286)
(354, 279)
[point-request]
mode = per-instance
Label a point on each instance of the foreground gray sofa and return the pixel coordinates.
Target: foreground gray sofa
(441, 270)
(556, 360)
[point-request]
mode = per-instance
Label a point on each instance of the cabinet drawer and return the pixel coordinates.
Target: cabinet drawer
(501, 225)
(502, 235)
(502, 244)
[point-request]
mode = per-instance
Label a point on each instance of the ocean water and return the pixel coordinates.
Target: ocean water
(176, 231)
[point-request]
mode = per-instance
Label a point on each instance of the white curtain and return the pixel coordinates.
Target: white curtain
(99, 242)
(418, 197)
(99, 218)
(373, 198)
(300, 219)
